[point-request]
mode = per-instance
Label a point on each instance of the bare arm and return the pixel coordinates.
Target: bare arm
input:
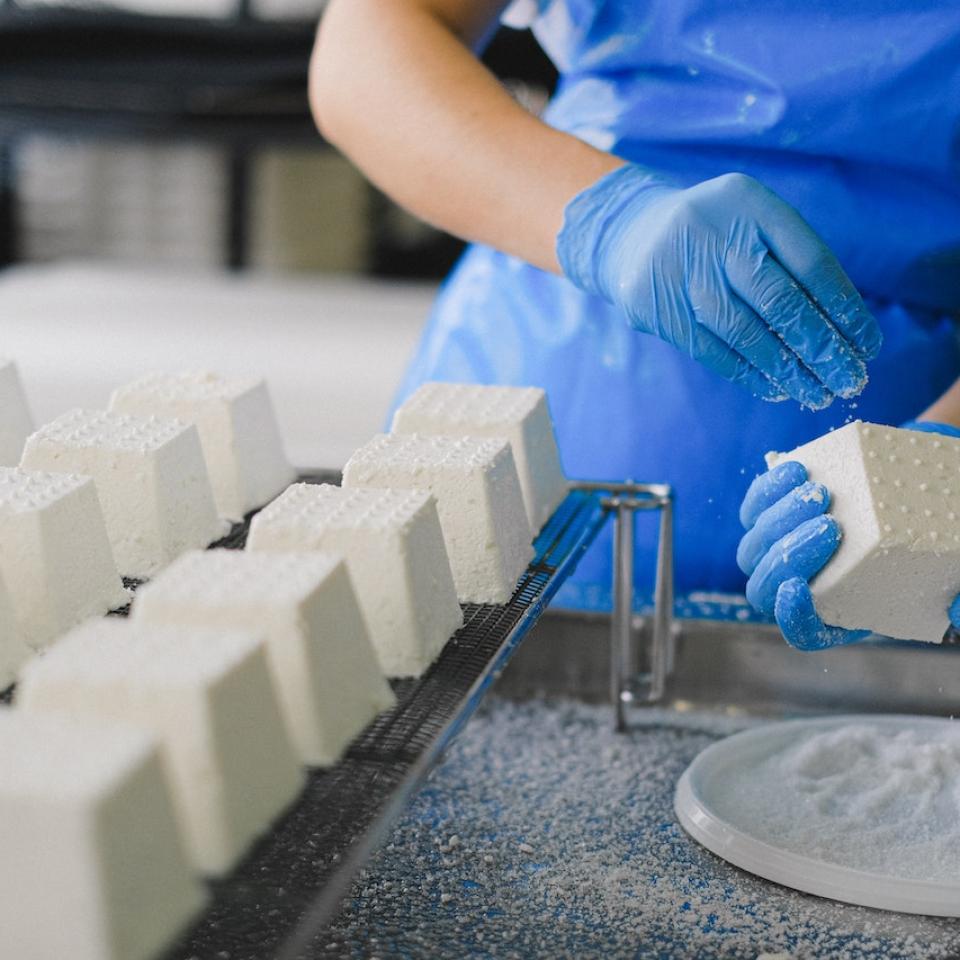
(946, 409)
(396, 86)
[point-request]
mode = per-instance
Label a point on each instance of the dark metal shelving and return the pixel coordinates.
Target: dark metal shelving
(236, 83)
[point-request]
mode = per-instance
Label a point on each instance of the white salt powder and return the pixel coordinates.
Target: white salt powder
(882, 797)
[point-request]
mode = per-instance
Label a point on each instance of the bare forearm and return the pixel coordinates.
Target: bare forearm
(946, 409)
(394, 84)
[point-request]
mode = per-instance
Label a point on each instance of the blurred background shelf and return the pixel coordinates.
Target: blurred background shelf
(136, 132)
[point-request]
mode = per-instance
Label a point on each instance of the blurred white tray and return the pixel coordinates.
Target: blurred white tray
(333, 350)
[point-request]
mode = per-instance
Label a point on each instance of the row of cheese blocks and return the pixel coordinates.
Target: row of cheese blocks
(149, 478)
(104, 493)
(243, 666)
(234, 425)
(142, 753)
(224, 643)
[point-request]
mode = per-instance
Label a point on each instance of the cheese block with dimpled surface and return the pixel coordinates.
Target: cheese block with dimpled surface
(13, 651)
(55, 557)
(207, 697)
(238, 431)
(474, 481)
(518, 413)
(896, 496)
(16, 424)
(151, 479)
(323, 665)
(93, 865)
(394, 549)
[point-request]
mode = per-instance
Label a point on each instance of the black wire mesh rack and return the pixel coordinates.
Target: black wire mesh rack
(277, 901)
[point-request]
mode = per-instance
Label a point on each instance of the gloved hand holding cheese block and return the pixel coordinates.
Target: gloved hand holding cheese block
(93, 864)
(151, 480)
(207, 697)
(475, 483)
(237, 426)
(393, 545)
(55, 557)
(16, 424)
(893, 497)
(324, 669)
(519, 414)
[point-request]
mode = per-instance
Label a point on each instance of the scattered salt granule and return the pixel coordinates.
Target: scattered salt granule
(612, 874)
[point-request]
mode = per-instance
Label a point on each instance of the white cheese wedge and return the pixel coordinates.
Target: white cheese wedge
(93, 865)
(323, 665)
(474, 481)
(394, 549)
(151, 479)
(54, 553)
(16, 424)
(13, 651)
(896, 495)
(238, 431)
(207, 697)
(518, 413)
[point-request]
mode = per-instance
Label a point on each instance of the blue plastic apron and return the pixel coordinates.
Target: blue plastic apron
(851, 112)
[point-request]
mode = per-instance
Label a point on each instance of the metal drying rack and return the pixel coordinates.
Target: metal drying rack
(628, 683)
(277, 901)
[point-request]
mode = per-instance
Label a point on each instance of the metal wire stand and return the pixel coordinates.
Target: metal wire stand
(628, 684)
(276, 903)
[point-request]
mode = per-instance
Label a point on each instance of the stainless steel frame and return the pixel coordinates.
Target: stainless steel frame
(628, 683)
(739, 668)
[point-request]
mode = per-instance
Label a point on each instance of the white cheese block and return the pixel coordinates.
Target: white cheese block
(518, 413)
(207, 697)
(896, 495)
(16, 424)
(474, 481)
(394, 549)
(238, 431)
(54, 553)
(13, 651)
(151, 479)
(322, 662)
(93, 865)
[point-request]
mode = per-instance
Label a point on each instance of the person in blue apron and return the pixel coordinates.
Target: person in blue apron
(674, 250)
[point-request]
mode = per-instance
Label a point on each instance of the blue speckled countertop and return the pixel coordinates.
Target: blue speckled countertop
(544, 834)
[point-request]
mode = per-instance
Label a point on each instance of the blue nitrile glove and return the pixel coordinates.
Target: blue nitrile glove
(931, 426)
(727, 272)
(789, 539)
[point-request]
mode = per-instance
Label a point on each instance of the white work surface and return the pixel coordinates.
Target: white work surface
(333, 350)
